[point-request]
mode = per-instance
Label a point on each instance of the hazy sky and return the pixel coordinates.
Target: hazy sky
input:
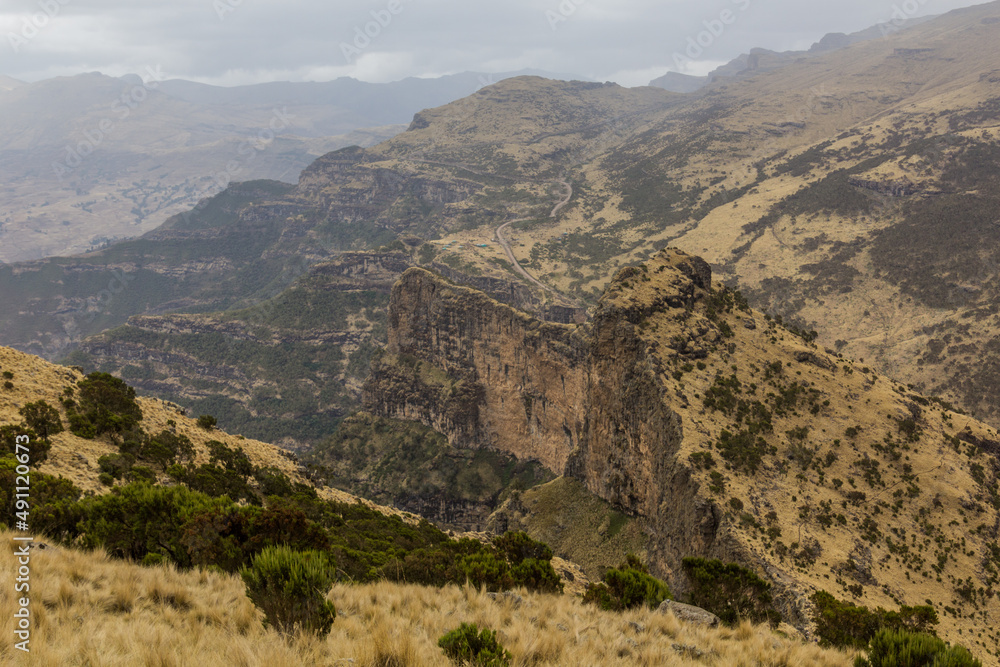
(232, 42)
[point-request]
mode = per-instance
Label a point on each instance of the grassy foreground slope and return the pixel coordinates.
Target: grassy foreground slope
(93, 610)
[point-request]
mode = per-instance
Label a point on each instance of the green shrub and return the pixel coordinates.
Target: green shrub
(115, 465)
(290, 587)
(730, 591)
(38, 447)
(54, 511)
(627, 587)
(900, 648)
(139, 518)
(516, 546)
(207, 422)
(165, 448)
(512, 560)
(42, 418)
(468, 645)
(844, 624)
(107, 405)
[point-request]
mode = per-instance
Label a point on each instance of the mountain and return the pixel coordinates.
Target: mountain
(8, 84)
(850, 193)
(760, 59)
(676, 82)
(250, 242)
(361, 104)
(89, 159)
(722, 433)
(168, 555)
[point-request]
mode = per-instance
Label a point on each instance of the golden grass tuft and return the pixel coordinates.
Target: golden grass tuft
(92, 610)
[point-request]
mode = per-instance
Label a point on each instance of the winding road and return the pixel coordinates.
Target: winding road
(510, 253)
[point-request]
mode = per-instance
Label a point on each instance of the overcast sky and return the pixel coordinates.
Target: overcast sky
(230, 42)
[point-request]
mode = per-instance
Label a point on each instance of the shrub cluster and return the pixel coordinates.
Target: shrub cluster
(511, 560)
(626, 587)
(845, 624)
(730, 591)
(901, 648)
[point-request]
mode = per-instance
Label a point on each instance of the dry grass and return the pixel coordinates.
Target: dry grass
(92, 610)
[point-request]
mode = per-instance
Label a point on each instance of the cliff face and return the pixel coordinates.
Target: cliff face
(480, 371)
(725, 434)
(586, 401)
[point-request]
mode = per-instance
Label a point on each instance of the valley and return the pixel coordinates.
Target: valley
(732, 339)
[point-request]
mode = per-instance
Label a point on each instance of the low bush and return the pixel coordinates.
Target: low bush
(626, 587)
(468, 645)
(290, 587)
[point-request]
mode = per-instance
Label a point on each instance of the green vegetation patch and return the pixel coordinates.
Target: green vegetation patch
(408, 464)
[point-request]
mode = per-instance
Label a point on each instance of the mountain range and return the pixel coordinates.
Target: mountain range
(753, 322)
(88, 159)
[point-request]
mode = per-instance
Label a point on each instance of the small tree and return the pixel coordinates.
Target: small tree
(207, 422)
(468, 645)
(290, 588)
(107, 405)
(43, 418)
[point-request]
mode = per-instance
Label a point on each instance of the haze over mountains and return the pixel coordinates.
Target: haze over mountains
(757, 321)
(91, 158)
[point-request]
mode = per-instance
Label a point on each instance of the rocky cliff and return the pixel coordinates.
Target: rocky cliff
(480, 371)
(725, 434)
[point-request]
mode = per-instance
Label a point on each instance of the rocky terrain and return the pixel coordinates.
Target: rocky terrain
(724, 433)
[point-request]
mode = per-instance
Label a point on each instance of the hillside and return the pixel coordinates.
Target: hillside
(88, 604)
(177, 617)
(724, 433)
(76, 458)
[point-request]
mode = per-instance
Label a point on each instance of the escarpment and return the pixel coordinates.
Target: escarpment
(724, 433)
(479, 371)
(587, 401)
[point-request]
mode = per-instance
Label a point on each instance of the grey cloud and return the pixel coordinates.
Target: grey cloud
(244, 41)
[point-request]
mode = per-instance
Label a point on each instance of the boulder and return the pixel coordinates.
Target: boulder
(689, 613)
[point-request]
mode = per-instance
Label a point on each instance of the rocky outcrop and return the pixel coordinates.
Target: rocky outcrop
(586, 401)
(494, 377)
(689, 613)
(720, 439)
